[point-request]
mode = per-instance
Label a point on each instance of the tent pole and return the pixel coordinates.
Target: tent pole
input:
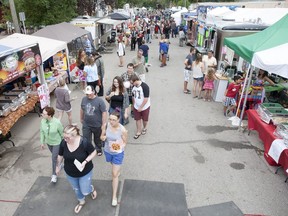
(245, 99)
(242, 92)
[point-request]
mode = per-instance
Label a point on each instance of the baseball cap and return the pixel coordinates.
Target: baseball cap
(89, 89)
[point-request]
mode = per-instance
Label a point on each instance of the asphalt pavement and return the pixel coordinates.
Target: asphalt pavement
(188, 141)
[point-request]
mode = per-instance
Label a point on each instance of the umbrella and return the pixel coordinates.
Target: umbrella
(119, 16)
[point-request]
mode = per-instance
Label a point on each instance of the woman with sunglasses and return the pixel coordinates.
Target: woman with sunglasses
(51, 133)
(77, 153)
(115, 137)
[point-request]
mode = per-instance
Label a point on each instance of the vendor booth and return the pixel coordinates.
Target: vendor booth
(266, 50)
(71, 34)
(17, 65)
(49, 81)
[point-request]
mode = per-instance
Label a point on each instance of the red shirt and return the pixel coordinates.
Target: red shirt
(232, 90)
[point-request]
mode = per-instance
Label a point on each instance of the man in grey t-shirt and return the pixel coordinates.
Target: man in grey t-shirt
(93, 114)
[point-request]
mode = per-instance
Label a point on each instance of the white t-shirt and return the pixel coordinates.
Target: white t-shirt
(139, 93)
(197, 71)
(208, 62)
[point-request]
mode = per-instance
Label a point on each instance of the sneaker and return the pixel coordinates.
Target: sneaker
(53, 178)
(114, 202)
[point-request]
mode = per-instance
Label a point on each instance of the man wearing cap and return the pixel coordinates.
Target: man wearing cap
(93, 114)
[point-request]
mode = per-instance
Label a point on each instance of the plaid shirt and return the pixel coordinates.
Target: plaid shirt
(125, 77)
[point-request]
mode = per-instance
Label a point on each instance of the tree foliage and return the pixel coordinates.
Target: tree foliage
(45, 12)
(86, 6)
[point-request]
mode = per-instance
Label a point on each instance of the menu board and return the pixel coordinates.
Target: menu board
(19, 62)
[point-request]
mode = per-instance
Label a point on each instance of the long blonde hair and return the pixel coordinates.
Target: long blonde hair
(210, 74)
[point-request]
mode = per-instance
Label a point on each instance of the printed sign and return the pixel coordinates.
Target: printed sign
(19, 63)
(44, 95)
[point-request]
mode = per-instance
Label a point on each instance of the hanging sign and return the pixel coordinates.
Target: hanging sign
(229, 56)
(44, 95)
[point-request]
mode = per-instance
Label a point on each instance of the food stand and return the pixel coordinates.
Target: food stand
(266, 50)
(14, 104)
(19, 58)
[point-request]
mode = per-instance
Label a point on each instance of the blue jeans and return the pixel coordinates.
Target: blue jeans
(111, 110)
(81, 185)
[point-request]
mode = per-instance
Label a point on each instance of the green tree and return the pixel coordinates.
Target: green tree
(45, 12)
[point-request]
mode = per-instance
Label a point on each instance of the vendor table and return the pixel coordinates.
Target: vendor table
(6, 123)
(277, 87)
(265, 132)
(52, 85)
(220, 86)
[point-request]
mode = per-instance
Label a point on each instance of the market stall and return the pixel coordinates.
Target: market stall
(69, 33)
(266, 50)
(48, 47)
(18, 100)
(21, 58)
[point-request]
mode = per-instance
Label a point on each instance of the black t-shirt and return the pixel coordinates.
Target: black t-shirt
(81, 153)
(117, 101)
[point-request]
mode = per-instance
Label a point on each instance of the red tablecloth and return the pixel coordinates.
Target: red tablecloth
(265, 132)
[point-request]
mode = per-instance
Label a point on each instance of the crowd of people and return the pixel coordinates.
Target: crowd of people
(103, 128)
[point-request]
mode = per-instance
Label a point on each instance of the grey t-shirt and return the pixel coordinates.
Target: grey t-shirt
(63, 99)
(93, 109)
(190, 58)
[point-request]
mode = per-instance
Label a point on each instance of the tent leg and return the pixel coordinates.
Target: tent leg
(245, 99)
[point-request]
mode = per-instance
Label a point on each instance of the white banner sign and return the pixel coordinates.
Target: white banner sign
(229, 56)
(44, 95)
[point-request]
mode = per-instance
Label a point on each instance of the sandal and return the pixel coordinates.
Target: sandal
(137, 136)
(144, 131)
(93, 193)
(78, 207)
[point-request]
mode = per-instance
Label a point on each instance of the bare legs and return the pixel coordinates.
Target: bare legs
(121, 59)
(208, 95)
(115, 180)
(197, 88)
(185, 86)
(69, 114)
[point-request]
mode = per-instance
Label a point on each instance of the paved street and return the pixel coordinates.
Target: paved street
(188, 141)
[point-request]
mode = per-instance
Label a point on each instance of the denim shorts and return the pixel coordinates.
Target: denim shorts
(116, 159)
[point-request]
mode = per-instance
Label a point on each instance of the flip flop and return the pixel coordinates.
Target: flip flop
(137, 136)
(78, 207)
(93, 193)
(144, 131)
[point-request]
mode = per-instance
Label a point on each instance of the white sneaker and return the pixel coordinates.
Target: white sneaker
(53, 178)
(114, 202)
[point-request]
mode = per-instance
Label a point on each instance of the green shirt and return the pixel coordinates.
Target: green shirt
(51, 132)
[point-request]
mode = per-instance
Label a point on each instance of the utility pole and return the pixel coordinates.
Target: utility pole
(14, 16)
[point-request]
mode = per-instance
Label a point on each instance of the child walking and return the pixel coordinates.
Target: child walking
(229, 101)
(209, 84)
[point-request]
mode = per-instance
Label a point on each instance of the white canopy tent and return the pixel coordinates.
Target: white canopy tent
(48, 47)
(177, 16)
